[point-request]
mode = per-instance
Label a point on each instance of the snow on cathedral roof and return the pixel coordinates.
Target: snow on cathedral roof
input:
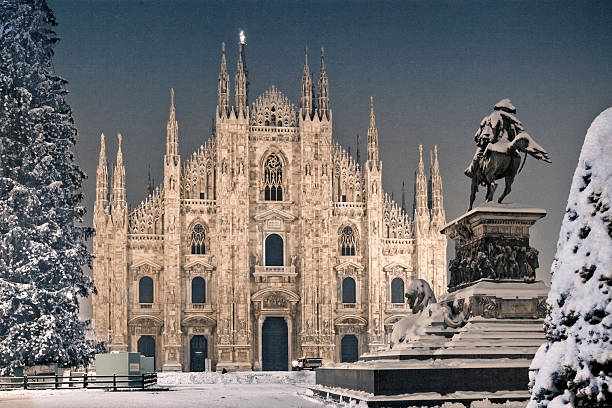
(272, 108)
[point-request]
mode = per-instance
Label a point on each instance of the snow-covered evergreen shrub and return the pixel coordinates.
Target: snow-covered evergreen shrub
(574, 367)
(42, 249)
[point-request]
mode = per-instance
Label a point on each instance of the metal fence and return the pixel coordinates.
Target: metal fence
(113, 382)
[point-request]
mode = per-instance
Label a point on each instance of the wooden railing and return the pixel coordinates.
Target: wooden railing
(40, 382)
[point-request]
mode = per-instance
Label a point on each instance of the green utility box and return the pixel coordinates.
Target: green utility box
(147, 364)
(119, 364)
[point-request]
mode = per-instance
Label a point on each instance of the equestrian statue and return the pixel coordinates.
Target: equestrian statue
(499, 140)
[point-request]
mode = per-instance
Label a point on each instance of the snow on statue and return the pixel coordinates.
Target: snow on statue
(42, 250)
(575, 367)
(425, 312)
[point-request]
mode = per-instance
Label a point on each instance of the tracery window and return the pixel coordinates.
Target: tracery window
(198, 238)
(273, 178)
(348, 242)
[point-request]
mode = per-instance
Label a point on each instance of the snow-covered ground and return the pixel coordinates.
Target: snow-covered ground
(235, 390)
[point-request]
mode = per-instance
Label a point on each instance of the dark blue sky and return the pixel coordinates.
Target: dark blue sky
(435, 70)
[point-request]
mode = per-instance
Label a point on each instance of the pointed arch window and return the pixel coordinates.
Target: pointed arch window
(273, 178)
(348, 242)
(198, 240)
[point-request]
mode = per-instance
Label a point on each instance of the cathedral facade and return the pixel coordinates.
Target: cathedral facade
(267, 244)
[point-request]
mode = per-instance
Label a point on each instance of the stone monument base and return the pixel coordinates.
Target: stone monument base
(488, 357)
(478, 341)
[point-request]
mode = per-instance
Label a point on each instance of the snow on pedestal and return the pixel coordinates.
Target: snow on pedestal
(573, 368)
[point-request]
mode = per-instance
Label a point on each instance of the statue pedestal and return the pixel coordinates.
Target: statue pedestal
(492, 286)
(492, 242)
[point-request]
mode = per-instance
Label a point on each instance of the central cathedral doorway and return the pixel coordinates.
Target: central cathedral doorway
(198, 353)
(274, 349)
(349, 349)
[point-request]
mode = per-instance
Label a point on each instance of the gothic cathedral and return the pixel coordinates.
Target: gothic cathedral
(269, 243)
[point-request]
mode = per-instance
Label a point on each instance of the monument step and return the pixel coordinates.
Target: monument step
(444, 376)
(422, 400)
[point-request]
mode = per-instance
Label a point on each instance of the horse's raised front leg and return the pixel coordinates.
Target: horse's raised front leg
(473, 193)
(507, 189)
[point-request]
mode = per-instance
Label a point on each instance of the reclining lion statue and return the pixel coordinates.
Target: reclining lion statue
(419, 295)
(425, 311)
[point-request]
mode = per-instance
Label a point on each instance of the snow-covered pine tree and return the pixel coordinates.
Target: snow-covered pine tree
(574, 369)
(42, 247)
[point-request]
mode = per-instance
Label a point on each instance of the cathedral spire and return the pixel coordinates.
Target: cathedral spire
(172, 150)
(323, 89)
(119, 178)
(150, 182)
(429, 190)
(223, 87)
(358, 156)
(372, 135)
(307, 89)
(403, 197)
(241, 84)
(437, 203)
(102, 176)
(420, 189)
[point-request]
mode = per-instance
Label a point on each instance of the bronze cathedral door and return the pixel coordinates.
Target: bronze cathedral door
(274, 348)
(198, 353)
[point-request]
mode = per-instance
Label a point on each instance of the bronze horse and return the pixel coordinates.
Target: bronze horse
(502, 160)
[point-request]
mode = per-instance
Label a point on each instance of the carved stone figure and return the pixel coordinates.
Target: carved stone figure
(171, 299)
(499, 140)
(419, 295)
(532, 262)
(499, 264)
(499, 259)
(172, 324)
(425, 312)
(274, 301)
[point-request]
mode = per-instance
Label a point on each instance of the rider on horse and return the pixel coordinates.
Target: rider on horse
(501, 124)
(500, 138)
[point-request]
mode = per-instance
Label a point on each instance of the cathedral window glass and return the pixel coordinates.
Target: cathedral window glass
(397, 290)
(348, 290)
(198, 237)
(145, 290)
(273, 179)
(274, 250)
(198, 290)
(348, 242)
